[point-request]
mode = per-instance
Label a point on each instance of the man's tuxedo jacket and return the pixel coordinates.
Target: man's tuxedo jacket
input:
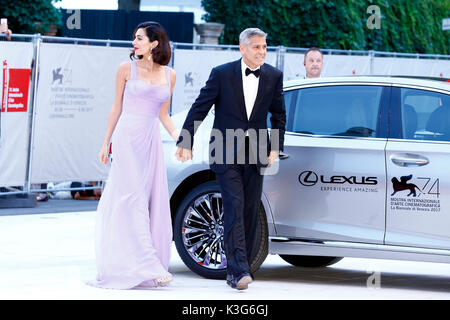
(224, 89)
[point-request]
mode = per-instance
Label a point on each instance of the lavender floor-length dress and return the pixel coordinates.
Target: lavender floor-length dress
(133, 226)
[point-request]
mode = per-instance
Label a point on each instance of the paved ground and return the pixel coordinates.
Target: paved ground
(50, 255)
(53, 206)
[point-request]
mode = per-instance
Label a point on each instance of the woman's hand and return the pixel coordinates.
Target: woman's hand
(183, 154)
(103, 155)
(175, 135)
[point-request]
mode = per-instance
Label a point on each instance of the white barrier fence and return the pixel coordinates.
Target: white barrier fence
(56, 97)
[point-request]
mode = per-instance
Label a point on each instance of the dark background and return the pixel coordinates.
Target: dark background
(120, 24)
(407, 26)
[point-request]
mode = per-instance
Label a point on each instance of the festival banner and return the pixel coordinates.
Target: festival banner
(412, 67)
(16, 60)
(75, 93)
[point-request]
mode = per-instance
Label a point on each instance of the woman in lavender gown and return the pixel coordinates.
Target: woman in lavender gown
(133, 227)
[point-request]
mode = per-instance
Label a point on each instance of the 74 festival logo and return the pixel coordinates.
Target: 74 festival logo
(426, 186)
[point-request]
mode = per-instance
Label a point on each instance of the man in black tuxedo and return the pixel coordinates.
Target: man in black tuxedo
(243, 92)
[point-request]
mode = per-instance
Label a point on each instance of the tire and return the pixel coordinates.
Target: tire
(310, 261)
(196, 234)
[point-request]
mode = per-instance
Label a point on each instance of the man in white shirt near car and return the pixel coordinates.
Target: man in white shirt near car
(313, 62)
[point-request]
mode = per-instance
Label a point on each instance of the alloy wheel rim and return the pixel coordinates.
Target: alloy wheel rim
(203, 231)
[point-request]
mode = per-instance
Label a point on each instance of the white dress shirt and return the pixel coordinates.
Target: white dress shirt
(250, 85)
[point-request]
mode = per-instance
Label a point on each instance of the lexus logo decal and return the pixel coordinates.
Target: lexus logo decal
(308, 178)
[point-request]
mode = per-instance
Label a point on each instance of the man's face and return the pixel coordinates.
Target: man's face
(313, 64)
(254, 53)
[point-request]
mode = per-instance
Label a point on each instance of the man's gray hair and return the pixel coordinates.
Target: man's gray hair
(244, 37)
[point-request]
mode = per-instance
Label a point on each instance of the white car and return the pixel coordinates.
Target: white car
(364, 173)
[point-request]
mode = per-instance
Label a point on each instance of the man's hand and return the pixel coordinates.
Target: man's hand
(273, 155)
(183, 154)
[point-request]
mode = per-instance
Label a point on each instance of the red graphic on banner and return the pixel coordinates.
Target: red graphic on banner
(15, 89)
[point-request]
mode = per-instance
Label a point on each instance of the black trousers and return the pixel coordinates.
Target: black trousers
(241, 187)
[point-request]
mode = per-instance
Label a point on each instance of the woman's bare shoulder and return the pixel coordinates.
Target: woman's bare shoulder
(172, 70)
(124, 70)
(173, 73)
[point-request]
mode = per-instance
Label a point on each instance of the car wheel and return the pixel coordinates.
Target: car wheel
(198, 233)
(310, 261)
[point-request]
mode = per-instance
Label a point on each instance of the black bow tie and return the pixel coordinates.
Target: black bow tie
(256, 72)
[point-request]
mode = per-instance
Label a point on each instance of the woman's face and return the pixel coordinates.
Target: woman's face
(142, 44)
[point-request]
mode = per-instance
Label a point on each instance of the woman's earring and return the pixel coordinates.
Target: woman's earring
(150, 55)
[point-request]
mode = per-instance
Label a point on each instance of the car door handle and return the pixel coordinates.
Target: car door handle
(283, 156)
(408, 160)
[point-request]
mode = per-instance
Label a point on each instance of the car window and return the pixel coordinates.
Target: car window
(425, 115)
(289, 98)
(335, 110)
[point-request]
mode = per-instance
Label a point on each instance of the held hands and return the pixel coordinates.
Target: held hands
(183, 154)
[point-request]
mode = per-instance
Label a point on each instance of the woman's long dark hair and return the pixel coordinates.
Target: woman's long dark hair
(154, 31)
